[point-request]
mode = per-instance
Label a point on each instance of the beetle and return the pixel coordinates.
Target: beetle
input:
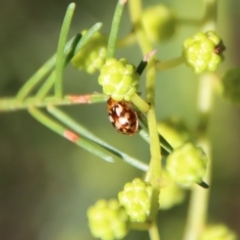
(122, 116)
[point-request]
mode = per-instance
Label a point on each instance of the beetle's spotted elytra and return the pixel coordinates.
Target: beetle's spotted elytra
(122, 116)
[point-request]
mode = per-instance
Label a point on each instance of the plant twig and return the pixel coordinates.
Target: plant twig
(68, 121)
(70, 135)
(115, 27)
(197, 213)
(60, 50)
(13, 104)
(169, 64)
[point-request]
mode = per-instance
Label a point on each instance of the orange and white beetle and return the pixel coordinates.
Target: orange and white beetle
(122, 116)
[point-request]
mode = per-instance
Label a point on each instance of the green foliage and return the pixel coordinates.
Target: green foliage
(186, 164)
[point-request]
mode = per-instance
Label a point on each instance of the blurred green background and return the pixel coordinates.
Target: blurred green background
(46, 182)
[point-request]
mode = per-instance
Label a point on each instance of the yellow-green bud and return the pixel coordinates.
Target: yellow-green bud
(108, 220)
(119, 79)
(187, 165)
(92, 55)
(202, 52)
(136, 198)
(159, 23)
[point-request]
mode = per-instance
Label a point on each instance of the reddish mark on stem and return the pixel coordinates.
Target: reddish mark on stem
(80, 98)
(149, 55)
(71, 136)
(123, 2)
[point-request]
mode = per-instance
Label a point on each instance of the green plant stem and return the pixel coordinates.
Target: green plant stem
(153, 231)
(68, 121)
(197, 212)
(169, 64)
(60, 50)
(13, 104)
(154, 172)
(144, 134)
(114, 29)
(198, 207)
(140, 103)
(47, 85)
(64, 132)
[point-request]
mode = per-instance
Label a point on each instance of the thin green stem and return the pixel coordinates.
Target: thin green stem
(153, 231)
(68, 121)
(140, 103)
(13, 104)
(47, 85)
(60, 50)
(169, 64)
(198, 207)
(153, 174)
(166, 147)
(154, 171)
(145, 136)
(115, 27)
(86, 37)
(70, 135)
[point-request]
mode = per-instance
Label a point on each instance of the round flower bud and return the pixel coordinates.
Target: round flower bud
(218, 232)
(202, 52)
(174, 131)
(231, 86)
(159, 23)
(108, 220)
(119, 79)
(187, 165)
(136, 198)
(92, 55)
(171, 194)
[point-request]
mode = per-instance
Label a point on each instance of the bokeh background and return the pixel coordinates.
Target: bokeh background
(46, 182)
